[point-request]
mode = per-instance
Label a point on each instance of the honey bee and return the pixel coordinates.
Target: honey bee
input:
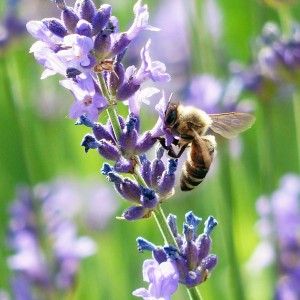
(190, 125)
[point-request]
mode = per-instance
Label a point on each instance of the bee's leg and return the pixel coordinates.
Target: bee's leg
(170, 149)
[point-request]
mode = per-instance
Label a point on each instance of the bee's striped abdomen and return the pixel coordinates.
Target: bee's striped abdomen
(198, 161)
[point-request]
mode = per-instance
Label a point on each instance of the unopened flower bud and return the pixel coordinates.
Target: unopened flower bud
(130, 190)
(101, 132)
(85, 9)
(172, 221)
(101, 18)
(167, 180)
(116, 77)
(106, 168)
(124, 165)
(102, 45)
(84, 28)
(129, 137)
(144, 143)
(190, 252)
(115, 178)
(55, 26)
(126, 90)
(203, 243)
(69, 19)
(108, 150)
(209, 262)
(89, 142)
(157, 168)
(120, 44)
(149, 198)
(134, 213)
(145, 169)
(192, 220)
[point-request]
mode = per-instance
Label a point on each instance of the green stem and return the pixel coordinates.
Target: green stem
(194, 293)
(112, 114)
(164, 226)
(296, 104)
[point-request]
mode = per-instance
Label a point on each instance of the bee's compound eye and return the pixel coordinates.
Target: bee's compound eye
(171, 117)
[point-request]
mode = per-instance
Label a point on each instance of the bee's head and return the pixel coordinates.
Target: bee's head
(171, 114)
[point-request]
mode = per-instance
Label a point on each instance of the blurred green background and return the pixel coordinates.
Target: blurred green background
(38, 143)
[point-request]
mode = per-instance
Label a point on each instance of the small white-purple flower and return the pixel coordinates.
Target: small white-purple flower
(77, 51)
(163, 280)
(87, 99)
(141, 96)
(154, 70)
(140, 21)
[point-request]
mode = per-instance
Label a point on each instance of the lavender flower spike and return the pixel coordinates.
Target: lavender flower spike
(162, 278)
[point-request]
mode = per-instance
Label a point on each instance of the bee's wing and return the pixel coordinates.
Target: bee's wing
(231, 124)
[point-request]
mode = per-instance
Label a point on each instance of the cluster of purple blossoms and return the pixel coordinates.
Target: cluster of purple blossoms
(87, 41)
(277, 62)
(189, 261)
(47, 250)
(279, 229)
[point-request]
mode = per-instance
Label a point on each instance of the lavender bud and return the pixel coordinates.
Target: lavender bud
(100, 132)
(157, 168)
(120, 44)
(129, 137)
(145, 169)
(134, 213)
(89, 142)
(115, 178)
(149, 198)
(193, 278)
(124, 165)
(108, 150)
(102, 45)
(84, 28)
(144, 245)
(55, 26)
(190, 252)
(203, 243)
(131, 190)
(167, 180)
(72, 72)
(144, 143)
(69, 19)
(210, 224)
(126, 90)
(181, 266)
(188, 232)
(101, 18)
(192, 220)
(61, 4)
(116, 78)
(85, 9)
(106, 168)
(209, 262)
(171, 219)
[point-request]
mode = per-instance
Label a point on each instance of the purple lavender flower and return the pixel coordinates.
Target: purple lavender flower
(191, 255)
(31, 261)
(280, 223)
(162, 278)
